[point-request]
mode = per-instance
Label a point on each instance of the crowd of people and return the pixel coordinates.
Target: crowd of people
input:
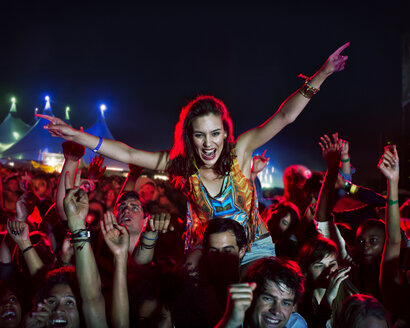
(84, 248)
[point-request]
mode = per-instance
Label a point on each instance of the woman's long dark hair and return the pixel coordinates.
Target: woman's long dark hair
(182, 155)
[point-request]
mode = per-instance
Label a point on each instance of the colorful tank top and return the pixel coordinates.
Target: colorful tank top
(237, 200)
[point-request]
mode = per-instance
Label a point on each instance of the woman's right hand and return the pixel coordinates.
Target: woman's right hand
(334, 283)
(58, 128)
(40, 316)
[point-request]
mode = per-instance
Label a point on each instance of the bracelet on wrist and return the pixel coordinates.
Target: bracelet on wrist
(346, 186)
(350, 188)
(100, 141)
(99, 145)
(79, 241)
(27, 249)
(80, 236)
(353, 189)
(152, 239)
(391, 202)
(307, 90)
(80, 233)
(144, 245)
(345, 160)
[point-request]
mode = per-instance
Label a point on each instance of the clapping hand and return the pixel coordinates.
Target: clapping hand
(19, 232)
(75, 203)
(389, 163)
(116, 236)
(72, 150)
(40, 317)
(331, 149)
(259, 163)
(239, 300)
(161, 222)
(95, 169)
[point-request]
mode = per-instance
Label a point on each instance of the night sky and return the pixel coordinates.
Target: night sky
(146, 61)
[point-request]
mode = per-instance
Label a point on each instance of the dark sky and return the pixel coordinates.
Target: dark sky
(146, 61)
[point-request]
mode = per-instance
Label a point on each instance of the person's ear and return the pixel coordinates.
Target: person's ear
(242, 252)
(225, 135)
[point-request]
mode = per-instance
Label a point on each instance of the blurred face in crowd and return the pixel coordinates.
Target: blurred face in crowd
(95, 214)
(373, 322)
(208, 138)
(278, 226)
(147, 192)
(320, 271)
(273, 306)
(40, 187)
(153, 314)
(130, 213)
(10, 310)
(370, 242)
(63, 305)
(12, 185)
(110, 195)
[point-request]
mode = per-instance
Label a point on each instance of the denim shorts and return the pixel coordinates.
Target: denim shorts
(260, 248)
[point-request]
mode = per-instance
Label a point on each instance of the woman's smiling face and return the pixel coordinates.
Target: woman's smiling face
(208, 136)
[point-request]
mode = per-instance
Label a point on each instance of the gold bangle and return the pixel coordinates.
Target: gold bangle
(353, 189)
(307, 90)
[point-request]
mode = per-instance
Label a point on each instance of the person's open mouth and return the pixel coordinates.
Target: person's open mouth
(208, 154)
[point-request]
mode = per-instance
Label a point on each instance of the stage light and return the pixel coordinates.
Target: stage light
(13, 100)
(47, 98)
(103, 107)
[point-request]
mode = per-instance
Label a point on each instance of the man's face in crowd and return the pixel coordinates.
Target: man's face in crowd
(224, 256)
(225, 242)
(147, 192)
(130, 213)
(273, 306)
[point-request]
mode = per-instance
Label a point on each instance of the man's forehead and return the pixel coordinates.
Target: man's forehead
(279, 289)
(131, 200)
(226, 238)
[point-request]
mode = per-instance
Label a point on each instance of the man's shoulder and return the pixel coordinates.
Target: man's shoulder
(296, 321)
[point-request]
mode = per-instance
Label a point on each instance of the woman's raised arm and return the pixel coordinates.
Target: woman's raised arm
(292, 106)
(109, 148)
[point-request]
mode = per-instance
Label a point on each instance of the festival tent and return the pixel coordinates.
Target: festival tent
(101, 129)
(37, 142)
(12, 129)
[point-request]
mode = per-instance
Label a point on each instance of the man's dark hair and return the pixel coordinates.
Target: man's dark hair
(280, 271)
(223, 225)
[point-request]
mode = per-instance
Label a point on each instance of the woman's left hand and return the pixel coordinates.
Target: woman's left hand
(336, 62)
